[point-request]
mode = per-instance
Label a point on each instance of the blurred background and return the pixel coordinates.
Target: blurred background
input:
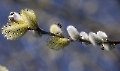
(30, 53)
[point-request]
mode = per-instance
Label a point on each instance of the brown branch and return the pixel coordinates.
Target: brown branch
(40, 31)
(114, 42)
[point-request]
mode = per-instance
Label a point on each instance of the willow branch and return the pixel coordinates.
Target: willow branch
(40, 31)
(111, 41)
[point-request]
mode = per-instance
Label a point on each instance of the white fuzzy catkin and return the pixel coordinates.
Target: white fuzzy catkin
(54, 28)
(15, 16)
(94, 39)
(73, 32)
(84, 35)
(108, 46)
(102, 35)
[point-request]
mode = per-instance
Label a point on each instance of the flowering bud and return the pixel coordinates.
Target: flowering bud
(102, 35)
(14, 16)
(29, 18)
(19, 24)
(94, 39)
(73, 32)
(84, 36)
(57, 43)
(108, 46)
(54, 28)
(14, 30)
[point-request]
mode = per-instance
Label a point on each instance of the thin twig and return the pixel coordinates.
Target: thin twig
(115, 41)
(48, 33)
(79, 40)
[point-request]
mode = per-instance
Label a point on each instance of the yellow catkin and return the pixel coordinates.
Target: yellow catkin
(57, 43)
(2, 68)
(29, 18)
(14, 30)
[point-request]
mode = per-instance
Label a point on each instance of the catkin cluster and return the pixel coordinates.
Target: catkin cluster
(19, 23)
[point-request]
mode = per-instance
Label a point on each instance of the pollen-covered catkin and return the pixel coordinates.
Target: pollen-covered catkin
(19, 24)
(29, 18)
(57, 43)
(14, 30)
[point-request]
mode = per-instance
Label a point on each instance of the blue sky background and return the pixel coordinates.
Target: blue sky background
(31, 53)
